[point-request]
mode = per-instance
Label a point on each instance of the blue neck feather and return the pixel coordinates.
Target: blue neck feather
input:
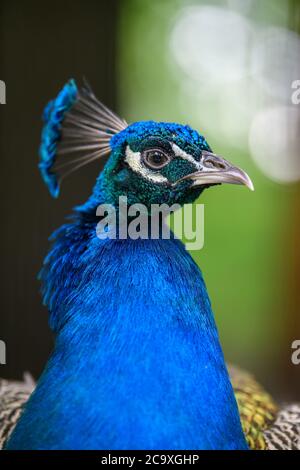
(137, 362)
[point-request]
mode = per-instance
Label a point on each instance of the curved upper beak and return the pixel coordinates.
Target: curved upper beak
(217, 170)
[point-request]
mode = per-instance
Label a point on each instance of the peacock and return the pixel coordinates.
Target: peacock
(137, 362)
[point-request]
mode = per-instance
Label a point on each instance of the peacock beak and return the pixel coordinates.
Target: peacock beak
(217, 170)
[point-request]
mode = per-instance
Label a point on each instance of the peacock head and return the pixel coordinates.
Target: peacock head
(149, 162)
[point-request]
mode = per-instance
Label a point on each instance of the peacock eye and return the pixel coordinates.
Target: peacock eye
(155, 158)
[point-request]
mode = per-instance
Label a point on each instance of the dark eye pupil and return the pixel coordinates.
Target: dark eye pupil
(155, 159)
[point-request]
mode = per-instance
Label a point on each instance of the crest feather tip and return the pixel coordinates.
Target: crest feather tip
(77, 130)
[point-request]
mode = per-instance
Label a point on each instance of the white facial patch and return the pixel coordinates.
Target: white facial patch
(186, 156)
(134, 161)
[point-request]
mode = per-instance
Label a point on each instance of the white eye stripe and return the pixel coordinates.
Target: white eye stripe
(186, 156)
(134, 161)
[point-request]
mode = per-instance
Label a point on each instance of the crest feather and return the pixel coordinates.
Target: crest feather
(77, 131)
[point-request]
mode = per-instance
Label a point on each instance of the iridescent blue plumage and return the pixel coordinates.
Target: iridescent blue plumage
(53, 116)
(184, 136)
(137, 362)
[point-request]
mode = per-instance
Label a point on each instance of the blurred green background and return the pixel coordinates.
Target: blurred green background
(226, 68)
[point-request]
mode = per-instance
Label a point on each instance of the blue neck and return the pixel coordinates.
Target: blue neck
(137, 362)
